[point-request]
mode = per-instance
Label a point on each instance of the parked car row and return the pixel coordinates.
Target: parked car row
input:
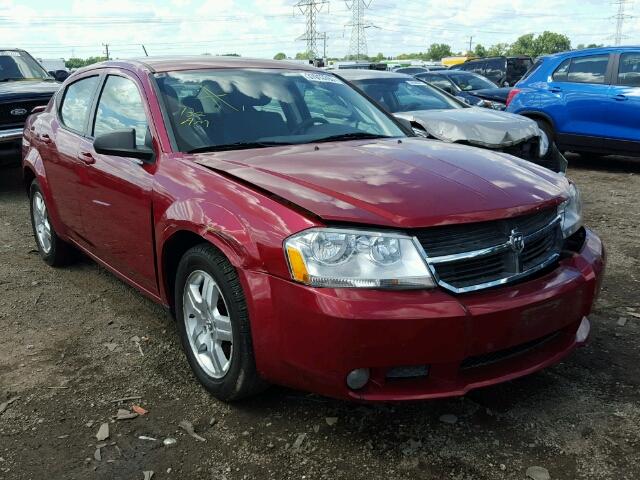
(302, 235)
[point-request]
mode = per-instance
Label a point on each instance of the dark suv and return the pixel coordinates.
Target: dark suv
(24, 84)
(503, 71)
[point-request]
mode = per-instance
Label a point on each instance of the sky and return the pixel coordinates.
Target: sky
(262, 28)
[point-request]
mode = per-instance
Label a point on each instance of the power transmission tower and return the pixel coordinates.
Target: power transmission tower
(620, 17)
(358, 45)
(311, 9)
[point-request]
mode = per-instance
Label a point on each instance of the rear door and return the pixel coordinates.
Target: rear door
(65, 171)
(495, 70)
(577, 99)
(116, 209)
(624, 98)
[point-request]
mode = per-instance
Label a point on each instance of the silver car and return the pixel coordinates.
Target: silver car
(435, 114)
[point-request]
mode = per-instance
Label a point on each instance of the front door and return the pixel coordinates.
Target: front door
(117, 210)
(624, 99)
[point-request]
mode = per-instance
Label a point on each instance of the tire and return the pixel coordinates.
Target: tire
(215, 334)
(52, 249)
(547, 128)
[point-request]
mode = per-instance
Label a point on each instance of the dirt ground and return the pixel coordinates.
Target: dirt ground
(68, 349)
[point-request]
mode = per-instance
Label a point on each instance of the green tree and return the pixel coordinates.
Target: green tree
(524, 45)
(544, 44)
(280, 56)
(498, 50)
(480, 51)
(303, 56)
(437, 51)
(379, 57)
(82, 62)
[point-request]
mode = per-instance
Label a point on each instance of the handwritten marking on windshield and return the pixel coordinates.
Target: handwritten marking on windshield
(188, 116)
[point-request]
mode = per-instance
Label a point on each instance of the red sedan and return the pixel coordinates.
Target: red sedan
(302, 236)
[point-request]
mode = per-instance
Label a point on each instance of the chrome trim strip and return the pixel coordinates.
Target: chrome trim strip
(431, 262)
(494, 249)
(11, 134)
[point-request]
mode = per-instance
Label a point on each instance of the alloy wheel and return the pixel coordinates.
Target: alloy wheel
(41, 222)
(208, 324)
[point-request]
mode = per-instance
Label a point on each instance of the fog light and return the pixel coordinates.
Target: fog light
(358, 378)
(583, 330)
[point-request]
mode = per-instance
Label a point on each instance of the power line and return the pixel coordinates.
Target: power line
(358, 45)
(310, 9)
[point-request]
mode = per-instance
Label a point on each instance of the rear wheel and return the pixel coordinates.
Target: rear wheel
(547, 128)
(213, 323)
(52, 249)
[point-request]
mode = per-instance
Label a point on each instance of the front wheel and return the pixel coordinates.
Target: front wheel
(213, 323)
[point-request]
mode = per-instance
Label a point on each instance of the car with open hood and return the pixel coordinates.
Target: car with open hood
(24, 85)
(300, 235)
(435, 114)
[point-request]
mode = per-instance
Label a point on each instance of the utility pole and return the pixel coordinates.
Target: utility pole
(358, 45)
(145, 51)
(310, 9)
(106, 50)
(620, 17)
(470, 42)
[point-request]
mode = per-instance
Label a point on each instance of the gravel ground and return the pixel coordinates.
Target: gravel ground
(74, 340)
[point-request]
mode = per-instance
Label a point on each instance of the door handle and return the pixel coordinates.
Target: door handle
(87, 158)
(620, 98)
(555, 89)
(45, 138)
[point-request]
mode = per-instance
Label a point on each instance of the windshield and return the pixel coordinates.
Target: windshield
(219, 109)
(16, 65)
(402, 95)
(468, 81)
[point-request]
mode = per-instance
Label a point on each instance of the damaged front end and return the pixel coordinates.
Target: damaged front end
(491, 130)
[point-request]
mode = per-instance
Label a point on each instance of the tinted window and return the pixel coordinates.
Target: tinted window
(560, 75)
(517, 67)
(629, 69)
(591, 69)
(16, 65)
(76, 103)
(120, 107)
(438, 81)
(533, 68)
(411, 70)
(494, 69)
(468, 81)
(399, 95)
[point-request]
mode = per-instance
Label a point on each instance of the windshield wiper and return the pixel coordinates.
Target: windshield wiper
(236, 146)
(350, 136)
(10, 79)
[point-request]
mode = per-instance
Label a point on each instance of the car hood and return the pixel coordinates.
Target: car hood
(24, 89)
(415, 183)
(495, 94)
(483, 127)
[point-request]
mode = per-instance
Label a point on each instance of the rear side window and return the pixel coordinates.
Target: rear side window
(76, 103)
(120, 107)
(591, 69)
(629, 69)
(560, 75)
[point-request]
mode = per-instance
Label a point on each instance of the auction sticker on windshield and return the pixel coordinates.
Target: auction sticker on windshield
(320, 77)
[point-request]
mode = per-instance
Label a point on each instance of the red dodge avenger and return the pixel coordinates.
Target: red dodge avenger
(301, 236)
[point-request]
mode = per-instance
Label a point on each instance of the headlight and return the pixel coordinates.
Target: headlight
(335, 258)
(544, 144)
(571, 212)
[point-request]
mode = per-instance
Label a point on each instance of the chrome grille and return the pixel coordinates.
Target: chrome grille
(470, 257)
(9, 120)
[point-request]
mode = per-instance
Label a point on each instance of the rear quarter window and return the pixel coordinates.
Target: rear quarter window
(629, 69)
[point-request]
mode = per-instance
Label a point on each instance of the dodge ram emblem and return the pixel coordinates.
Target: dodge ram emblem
(18, 112)
(516, 241)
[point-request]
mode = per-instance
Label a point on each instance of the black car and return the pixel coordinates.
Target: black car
(24, 85)
(503, 71)
(469, 87)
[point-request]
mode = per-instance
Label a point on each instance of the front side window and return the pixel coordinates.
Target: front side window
(120, 107)
(591, 69)
(76, 104)
(399, 95)
(17, 65)
(629, 69)
(250, 108)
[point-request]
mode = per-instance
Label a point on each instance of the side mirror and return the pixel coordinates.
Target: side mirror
(61, 75)
(122, 143)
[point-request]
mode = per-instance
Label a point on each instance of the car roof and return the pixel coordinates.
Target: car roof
(198, 62)
(596, 50)
(355, 75)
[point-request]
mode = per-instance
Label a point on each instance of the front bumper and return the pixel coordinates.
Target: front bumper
(10, 146)
(311, 339)
(10, 135)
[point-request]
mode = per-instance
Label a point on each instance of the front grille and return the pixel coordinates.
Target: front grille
(469, 257)
(8, 120)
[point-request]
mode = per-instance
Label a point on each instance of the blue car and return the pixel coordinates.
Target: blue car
(587, 100)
